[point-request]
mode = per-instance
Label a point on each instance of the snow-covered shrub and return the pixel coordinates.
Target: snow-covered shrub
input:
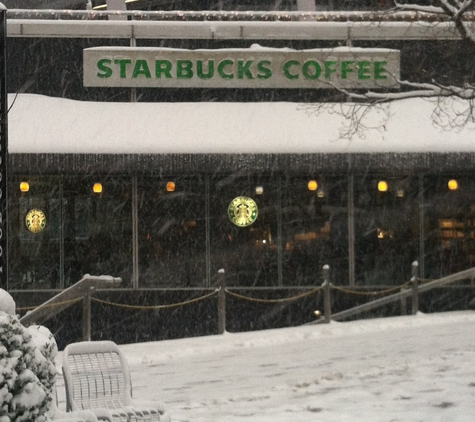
(27, 372)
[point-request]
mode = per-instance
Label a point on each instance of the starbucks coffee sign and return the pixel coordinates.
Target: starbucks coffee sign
(342, 67)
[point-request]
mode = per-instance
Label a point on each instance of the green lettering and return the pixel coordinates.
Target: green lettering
(163, 67)
(104, 70)
(306, 70)
(141, 68)
(363, 70)
(330, 67)
(263, 71)
(244, 69)
(222, 64)
(184, 69)
(286, 69)
(346, 67)
(123, 66)
(199, 69)
(380, 70)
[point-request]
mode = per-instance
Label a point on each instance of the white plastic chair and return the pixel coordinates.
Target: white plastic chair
(97, 379)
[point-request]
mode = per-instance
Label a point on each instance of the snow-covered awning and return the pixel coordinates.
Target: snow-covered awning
(40, 124)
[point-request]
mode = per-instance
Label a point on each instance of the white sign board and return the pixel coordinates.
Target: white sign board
(342, 67)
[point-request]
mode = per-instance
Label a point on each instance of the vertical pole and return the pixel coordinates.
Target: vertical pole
(351, 231)
(326, 294)
(3, 149)
(415, 287)
(422, 233)
(221, 302)
(280, 240)
(86, 314)
(403, 304)
(135, 233)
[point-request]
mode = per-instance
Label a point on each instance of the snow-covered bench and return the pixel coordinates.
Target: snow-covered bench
(97, 379)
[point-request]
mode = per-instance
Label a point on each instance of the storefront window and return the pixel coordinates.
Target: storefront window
(314, 229)
(247, 253)
(35, 233)
(172, 232)
(97, 228)
(61, 230)
(386, 221)
(449, 203)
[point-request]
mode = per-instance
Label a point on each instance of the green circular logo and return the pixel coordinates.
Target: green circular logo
(242, 211)
(35, 220)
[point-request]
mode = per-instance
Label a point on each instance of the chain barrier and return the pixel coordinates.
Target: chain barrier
(52, 305)
(373, 293)
(155, 307)
(287, 299)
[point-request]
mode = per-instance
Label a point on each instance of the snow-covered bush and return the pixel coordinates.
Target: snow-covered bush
(27, 372)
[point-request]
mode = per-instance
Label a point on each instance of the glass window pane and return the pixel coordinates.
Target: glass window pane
(449, 224)
(97, 228)
(314, 229)
(386, 229)
(248, 254)
(34, 252)
(172, 232)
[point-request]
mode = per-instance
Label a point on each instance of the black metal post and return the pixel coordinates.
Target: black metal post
(415, 287)
(3, 148)
(327, 309)
(221, 302)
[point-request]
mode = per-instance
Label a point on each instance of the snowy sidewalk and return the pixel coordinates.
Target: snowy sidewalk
(407, 369)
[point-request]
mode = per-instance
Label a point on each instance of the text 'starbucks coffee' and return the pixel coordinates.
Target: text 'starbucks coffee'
(241, 68)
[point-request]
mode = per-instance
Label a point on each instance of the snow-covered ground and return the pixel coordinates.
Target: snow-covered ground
(411, 369)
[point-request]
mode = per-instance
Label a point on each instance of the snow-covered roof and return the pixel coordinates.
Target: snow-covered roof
(40, 124)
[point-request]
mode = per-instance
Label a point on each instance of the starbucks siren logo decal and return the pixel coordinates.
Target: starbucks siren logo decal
(35, 220)
(242, 211)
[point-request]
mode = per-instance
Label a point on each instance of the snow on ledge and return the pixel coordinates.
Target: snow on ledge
(40, 124)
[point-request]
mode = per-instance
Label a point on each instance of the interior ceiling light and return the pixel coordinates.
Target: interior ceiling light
(453, 184)
(312, 185)
(383, 186)
(97, 188)
(170, 186)
(24, 186)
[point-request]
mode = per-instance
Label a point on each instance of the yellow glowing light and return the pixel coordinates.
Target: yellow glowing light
(170, 187)
(259, 190)
(24, 186)
(97, 188)
(312, 185)
(383, 186)
(453, 184)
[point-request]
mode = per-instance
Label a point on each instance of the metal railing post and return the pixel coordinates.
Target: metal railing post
(415, 287)
(326, 294)
(403, 303)
(86, 314)
(221, 302)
